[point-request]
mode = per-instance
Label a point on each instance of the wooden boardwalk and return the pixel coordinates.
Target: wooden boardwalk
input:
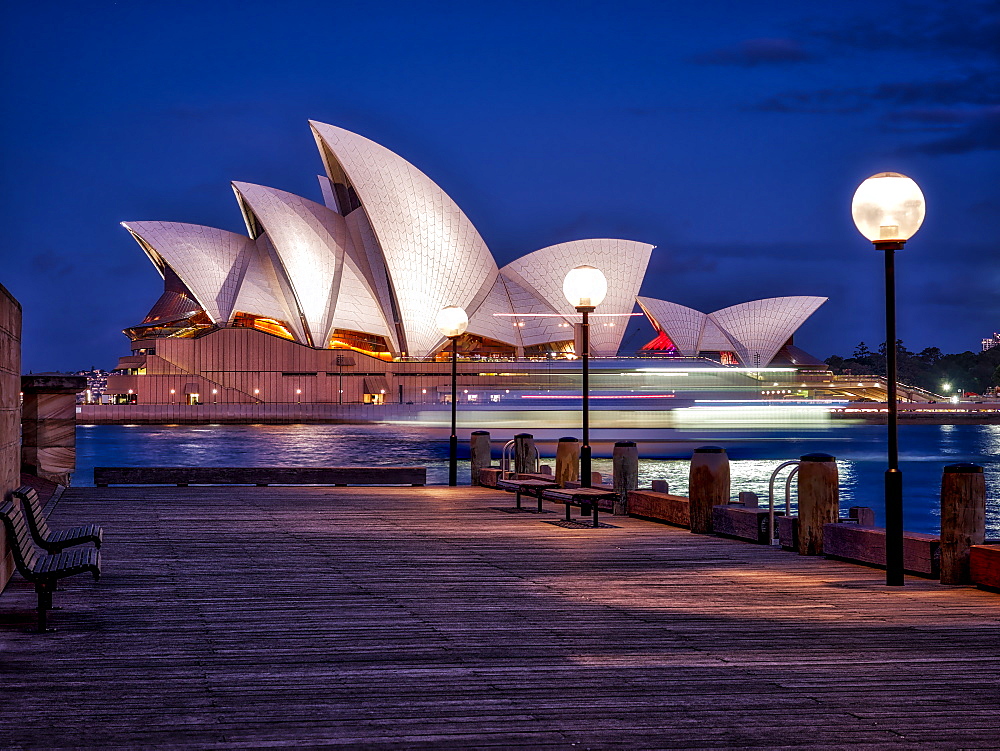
(426, 617)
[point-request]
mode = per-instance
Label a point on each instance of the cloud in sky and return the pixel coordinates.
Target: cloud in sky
(753, 52)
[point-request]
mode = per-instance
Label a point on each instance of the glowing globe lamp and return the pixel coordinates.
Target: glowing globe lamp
(452, 321)
(585, 287)
(888, 207)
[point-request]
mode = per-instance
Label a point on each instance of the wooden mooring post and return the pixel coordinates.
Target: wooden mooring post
(708, 485)
(525, 454)
(567, 461)
(819, 500)
(479, 453)
(625, 463)
(963, 519)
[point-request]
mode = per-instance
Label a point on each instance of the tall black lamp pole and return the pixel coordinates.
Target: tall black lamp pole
(585, 288)
(452, 321)
(888, 209)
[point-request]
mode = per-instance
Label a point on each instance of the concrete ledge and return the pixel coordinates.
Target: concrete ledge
(661, 507)
(984, 566)
(850, 542)
(104, 476)
(740, 523)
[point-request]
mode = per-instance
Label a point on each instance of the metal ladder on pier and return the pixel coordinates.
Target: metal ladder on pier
(507, 458)
(788, 497)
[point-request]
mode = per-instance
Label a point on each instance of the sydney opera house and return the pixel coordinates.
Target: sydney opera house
(335, 303)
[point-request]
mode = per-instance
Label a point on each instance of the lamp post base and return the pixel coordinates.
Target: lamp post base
(893, 528)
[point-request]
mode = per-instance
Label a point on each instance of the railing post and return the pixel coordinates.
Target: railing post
(625, 461)
(708, 486)
(479, 453)
(567, 461)
(963, 519)
(819, 500)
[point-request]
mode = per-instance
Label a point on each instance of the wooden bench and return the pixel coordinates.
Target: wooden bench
(260, 476)
(586, 498)
(531, 486)
(45, 538)
(40, 569)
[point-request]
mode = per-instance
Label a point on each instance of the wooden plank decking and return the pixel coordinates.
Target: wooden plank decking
(429, 617)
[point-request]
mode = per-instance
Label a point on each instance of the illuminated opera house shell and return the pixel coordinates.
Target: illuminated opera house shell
(751, 332)
(372, 266)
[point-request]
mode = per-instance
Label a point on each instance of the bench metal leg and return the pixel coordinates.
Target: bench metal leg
(595, 515)
(539, 501)
(568, 517)
(44, 605)
(517, 494)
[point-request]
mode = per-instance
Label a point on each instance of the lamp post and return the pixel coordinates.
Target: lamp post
(585, 288)
(452, 321)
(888, 209)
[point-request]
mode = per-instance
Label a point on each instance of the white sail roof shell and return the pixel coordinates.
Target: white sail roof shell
(683, 325)
(332, 286)
(434, 254)
(211, 262)
(623, 263)
(758, 329)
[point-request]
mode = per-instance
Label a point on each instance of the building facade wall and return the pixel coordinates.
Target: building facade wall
(10, 410)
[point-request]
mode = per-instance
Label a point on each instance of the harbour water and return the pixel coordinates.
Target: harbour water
(859, 448)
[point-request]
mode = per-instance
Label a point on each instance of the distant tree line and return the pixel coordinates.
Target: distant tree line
(974, 372)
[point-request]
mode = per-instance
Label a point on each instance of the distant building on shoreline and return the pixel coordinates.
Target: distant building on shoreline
(991, 343)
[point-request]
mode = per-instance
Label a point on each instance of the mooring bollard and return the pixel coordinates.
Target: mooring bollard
(819, 500)
(567, 461)
(708, 485)
(525, 454)
(661, 486)
(479, 452)
(963, 519)
(625, 461)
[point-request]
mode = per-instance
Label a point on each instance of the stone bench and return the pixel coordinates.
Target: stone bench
(741, 523)
(984, 566)
(661, 507)
(857, 544)
(104, 476)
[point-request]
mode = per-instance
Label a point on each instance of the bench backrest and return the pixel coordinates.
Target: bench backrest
(19, 537)
(31, 506)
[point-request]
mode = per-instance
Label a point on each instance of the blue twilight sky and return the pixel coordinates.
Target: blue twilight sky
(729, 134)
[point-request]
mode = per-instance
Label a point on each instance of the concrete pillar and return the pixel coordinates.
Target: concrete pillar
(708, 486)
(819, 500)
(661, 486)
(479, 452)
(48, 425)
(625, 461)
(749, 499)
(963, 519)
(567, 461)
(525, 453)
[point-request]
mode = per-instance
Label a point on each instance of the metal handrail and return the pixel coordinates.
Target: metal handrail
(505, 459)
(788, 495)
